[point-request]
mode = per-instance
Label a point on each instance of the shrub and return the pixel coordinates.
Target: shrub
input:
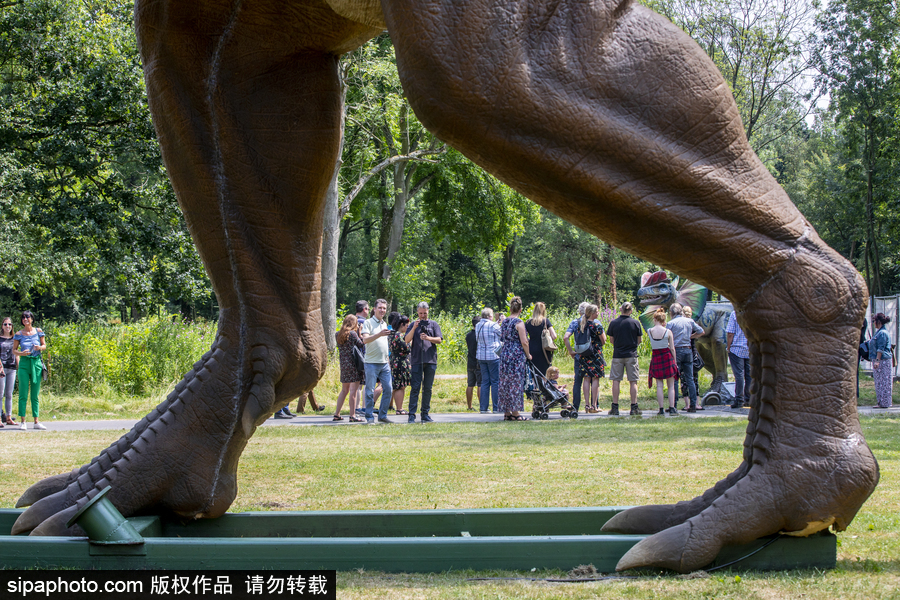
(99, 359)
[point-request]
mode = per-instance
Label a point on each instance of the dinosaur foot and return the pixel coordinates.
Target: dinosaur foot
(806, 465)
(181, 458)
(790, 498)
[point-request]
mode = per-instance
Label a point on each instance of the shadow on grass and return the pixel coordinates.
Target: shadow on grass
(867, 565)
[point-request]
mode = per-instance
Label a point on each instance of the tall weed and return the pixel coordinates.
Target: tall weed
(98, 359)
(102, 360)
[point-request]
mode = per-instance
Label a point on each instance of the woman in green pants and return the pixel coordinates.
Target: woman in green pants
(27, 345)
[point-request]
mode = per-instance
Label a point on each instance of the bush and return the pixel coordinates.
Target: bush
(98, 359)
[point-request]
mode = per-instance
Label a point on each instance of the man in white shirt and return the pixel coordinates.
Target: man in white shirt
(375, 332)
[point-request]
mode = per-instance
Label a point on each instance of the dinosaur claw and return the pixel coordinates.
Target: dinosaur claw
(56, 525)
(664, 549)
(39, 512)
(651, 518)
(43, 488)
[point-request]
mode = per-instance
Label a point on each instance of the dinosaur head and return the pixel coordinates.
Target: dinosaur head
(657, 289)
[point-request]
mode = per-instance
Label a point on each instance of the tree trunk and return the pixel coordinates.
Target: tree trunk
(508, 269)
(609, 277)
(872, 241)
(331, 240)
(396, 219)
(384, 236)
(499, 296)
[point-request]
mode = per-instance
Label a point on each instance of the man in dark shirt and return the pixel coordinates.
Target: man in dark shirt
(473, 369)
(625, 335)
(424, 335)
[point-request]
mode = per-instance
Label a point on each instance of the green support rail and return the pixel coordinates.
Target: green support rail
(391, 541)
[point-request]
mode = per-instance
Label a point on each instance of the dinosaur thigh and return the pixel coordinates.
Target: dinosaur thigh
(610, 117)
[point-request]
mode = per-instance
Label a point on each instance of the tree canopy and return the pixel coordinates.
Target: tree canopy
(90, 225)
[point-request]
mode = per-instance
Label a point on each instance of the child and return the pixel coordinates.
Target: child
(553, 377)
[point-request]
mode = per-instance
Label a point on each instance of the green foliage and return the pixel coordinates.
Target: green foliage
(97, 359)
(88, 213)
(858, 58)
(472, 210)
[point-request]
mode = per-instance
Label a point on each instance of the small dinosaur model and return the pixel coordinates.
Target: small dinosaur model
(603, 112)
(658, 290)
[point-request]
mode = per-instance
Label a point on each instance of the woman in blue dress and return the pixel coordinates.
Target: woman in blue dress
(27, 345)
(513, 365)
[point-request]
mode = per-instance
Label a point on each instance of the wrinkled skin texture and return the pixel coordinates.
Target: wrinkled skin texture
(601, 111)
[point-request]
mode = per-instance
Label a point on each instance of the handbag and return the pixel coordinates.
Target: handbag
(864, 350)
(547, 341)
(358, 360)
(698, 361)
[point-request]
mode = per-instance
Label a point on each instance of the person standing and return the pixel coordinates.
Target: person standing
(347, 340)
(487, 332)
(880, 354)
(513, 354)
(473, 371)
(534, 328)
(592, 363)
(684, 330)
(375, 333)
(423, 336)
(662, 362)
(625, 335)
(27, 345)
(688, 312)
(9, 363)
(739, 357)
(400, 374)
(579, 376)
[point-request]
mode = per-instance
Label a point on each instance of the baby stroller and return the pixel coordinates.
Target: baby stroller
(546, 397)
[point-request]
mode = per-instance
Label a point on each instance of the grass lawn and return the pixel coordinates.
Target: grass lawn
(488, 465)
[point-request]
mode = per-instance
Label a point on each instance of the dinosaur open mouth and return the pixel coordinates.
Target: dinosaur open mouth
(658, 299)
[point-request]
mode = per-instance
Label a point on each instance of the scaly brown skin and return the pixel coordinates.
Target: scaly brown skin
(604, 113)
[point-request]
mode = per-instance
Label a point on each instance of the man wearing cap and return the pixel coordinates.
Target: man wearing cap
(625, 334)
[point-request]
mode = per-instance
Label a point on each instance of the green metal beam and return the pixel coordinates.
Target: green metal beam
(391, 541)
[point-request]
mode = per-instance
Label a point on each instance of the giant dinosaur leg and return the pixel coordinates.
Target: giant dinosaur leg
(247, 106)
(609, 116)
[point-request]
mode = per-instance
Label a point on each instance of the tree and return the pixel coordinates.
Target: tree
(84, 193)
(762, 49)
(857, 58)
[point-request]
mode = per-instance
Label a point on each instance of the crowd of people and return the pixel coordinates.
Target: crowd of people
(388, 353)
(20, 360)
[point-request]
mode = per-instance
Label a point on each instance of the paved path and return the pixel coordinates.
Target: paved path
(458, 417)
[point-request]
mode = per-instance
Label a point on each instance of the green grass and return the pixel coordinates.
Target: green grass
(485, 465)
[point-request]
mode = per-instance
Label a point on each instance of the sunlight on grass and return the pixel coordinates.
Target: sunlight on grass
(494, 465)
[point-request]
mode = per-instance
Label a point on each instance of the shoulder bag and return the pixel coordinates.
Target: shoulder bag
(499, 347)
(358, 360)
(547, 341)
